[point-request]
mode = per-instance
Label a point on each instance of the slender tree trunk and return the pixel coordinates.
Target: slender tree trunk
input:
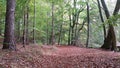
(105, 9)
(72, 36)
(34, 23)
(27, 26)
(59, 39)
(24, 30)
(88, 25)
(117, 8)
(52, 32)
(76, 28)
(73, 24)
(61, 28)
(9, 39)
(47, 33)
(69, 34)
(18, 32)
(104, 29)
(75, 34)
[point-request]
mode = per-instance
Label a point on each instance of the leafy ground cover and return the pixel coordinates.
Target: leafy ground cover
(35, 56)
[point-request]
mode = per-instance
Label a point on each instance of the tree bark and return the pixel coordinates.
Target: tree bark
(101, 16)
(105, 9)
(34, 23)
(74, 19)
(18, 32)
(88, 25)
(117, 8)
(59, 39)
(24, 30)
(9, 39)
(27, 26)
(69, 34)
(52, 39)
(47, 31)
(110, 40)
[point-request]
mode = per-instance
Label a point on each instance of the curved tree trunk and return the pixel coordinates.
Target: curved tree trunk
(110, 40)
(101, 16)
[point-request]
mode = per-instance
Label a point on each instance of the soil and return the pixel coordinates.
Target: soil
(47, 56)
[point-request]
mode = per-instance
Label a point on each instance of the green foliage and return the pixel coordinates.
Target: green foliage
(62, 10)
(112, 20)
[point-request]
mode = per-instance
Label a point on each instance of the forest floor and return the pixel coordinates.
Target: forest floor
(36, 56)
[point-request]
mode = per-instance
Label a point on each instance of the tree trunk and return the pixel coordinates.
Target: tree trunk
(117, 8)
(76, 27)
(52, 39)
(9, 39)
(59, 39)
(24, 30)
(27, 26)
(78, 32)
(18, 32)
(34, 23)
(110, 40)
(47, 31)
(69, 34)
(88, 25)
(101, 16)
(72, 35)
(105, 9)
(74, 15)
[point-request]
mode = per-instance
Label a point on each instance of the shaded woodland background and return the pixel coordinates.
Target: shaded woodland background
(82, 23)
(47, 33)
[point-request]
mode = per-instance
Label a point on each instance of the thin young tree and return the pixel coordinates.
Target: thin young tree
(27, 25)
(74, 23)
(60, 34)
(24, 29)
(69, 34)
(101, 16)
(52, 38)
(34, 22)
(88, 25)
(74, 15)
(9, 39)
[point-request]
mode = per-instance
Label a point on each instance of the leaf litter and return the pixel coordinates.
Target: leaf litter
(36, 56)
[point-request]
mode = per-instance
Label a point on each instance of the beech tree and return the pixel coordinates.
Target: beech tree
(9, 40)
(110, 40)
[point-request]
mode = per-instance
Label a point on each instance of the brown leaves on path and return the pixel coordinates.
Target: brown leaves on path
(35, 56)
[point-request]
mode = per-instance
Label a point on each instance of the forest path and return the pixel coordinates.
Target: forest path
(35, 56)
